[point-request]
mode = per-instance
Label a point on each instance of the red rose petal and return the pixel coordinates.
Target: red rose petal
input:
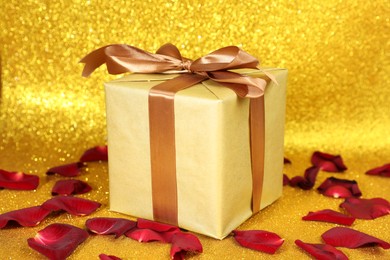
(18, 181)
(339, 188)
(70, 187)
(67, 170)
(58, 241)
(366, 208)
(383, 170)
(321, 251)
(337, 192)
(108, 257)
(146, 235)
(307, 182)
(107, 226)
(156, 226)
(350, 238)
(72, 205)
(328, 162)
(148, 230)
(97, 153)
(259, 240)
(27, 217)
(331, 216)
(183, 243)
(286, 180)
(286, 161)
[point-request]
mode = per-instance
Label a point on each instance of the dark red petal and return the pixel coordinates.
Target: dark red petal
(301, 182)
(311, 174)
(350, 238)
(383, 170)
(70, 187)
(286, 161)
(328, 162)
(72, 205)
(328, 215)
(146, 235)
(366, 208)
(183, 243)
(97, 153)
(308, 180)
(27, 217)
(258, 240)
(321, 251)
(108, 257)
(339, 188)
(18, 181)
(58, 241)
(67, 170)
(107, 226)
(286, 180)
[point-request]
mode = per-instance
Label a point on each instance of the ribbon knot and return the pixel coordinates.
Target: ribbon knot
(186, 64)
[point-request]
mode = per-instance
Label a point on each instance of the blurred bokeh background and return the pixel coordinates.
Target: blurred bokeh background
(337, 53)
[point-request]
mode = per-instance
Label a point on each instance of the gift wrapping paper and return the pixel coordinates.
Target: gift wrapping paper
(337, 54)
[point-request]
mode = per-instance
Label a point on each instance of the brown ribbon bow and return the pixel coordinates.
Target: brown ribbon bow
(120, 58)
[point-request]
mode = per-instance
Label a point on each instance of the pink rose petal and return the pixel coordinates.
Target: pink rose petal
(72, 205)
(339, 188)
(328, 162)
(366, 208)
(108, 257)
(383, 170)
(322, 252)
(67, 170)
(264, 241)
(350, 238)
(331, 216)
(58, 241)
(27, 217)
(107, 226)
(70, 187)
(183, 243)
(97, 153)
(18, 181)
(308, 180)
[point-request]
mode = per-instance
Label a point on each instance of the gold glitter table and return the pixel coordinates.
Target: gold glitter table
(337, 53)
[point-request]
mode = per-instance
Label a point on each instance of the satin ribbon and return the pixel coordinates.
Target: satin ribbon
(121, 58)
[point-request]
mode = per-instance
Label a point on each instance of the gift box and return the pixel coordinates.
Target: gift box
(213, 154)
(196, 144)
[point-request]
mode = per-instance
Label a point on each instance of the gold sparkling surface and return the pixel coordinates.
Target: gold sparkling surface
(337, 53)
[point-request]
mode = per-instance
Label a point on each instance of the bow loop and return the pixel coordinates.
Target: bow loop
(121, 58)
(230, 57)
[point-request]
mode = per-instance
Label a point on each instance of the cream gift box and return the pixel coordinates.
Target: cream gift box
(213, 160)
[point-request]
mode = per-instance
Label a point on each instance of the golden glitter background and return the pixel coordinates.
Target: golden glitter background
(337, 53)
